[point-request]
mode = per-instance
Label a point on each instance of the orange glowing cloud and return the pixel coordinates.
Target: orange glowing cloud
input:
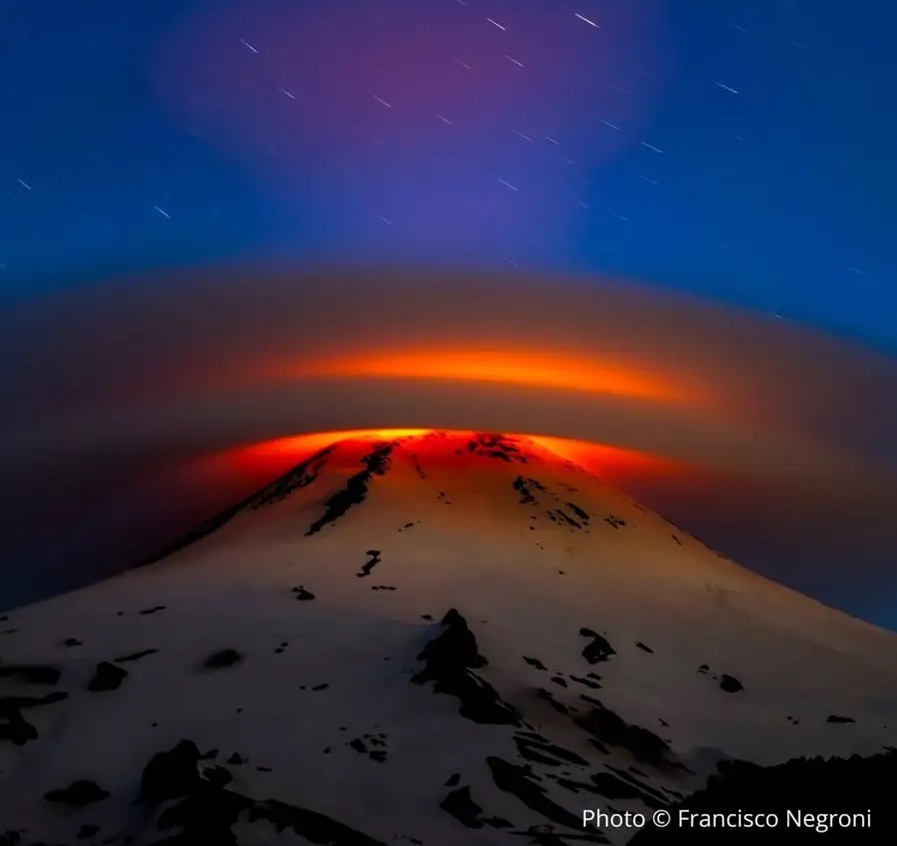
(531, 368)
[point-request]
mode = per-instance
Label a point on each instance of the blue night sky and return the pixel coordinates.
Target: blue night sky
(744, 150)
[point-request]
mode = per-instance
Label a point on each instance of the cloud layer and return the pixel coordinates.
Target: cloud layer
(113, 385)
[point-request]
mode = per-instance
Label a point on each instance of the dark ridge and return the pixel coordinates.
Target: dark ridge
(72, 641)
(643, 647)
(302, 594)
(154, 610)
(373, 560)
(135, 656)
(78, 794)
(496, 446)
(598, 650)
(587, 682)
(449, 659)
(730, 684)
(542, 693)
(582, 515)
(616, 522)
(300, 476)
(566, 518)
(518, 782)
(559, 680)
(106, 677)
(611, 729)
(629, 778)
(356, 489)
(222, 658)
(453, 780)
(535, 662)
(837, 718)
(32, 673)
(539, 750)
(816, 786)
(461, 806)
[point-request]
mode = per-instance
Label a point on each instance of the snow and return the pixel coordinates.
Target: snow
(325, 683)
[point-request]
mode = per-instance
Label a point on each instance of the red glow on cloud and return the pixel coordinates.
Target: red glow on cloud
(261, 463)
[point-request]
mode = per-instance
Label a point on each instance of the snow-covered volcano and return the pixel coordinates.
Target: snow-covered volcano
(438, 639)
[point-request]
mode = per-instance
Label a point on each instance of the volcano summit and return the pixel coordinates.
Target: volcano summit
(434, 639)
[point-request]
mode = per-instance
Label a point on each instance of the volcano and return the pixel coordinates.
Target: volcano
(435, 639)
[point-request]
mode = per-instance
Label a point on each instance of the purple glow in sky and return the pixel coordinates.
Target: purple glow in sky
(422, 121)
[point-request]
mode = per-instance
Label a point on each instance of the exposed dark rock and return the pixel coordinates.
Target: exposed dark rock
(496, 446)
(154, 610)
(223, 658)
(453, 780)
(730, 684)
(32, 673)
(535, 662)
(78, 794)
(356, 488)
(15, 728)
(373, 561)
(302, 594)
(612, 786)
(837, 718)
(588, 682)
(525, 488)
(106, 677)
(611, 729)
(461, 806)
(581, 515)
(170, 774)
(135, 656)
(643, 647)
(449, 659)
(537, 749)
(598, 649)
(72, 641)
(518, 781)
(852, 786)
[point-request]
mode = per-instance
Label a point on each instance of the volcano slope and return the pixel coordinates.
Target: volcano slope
(435, 640)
